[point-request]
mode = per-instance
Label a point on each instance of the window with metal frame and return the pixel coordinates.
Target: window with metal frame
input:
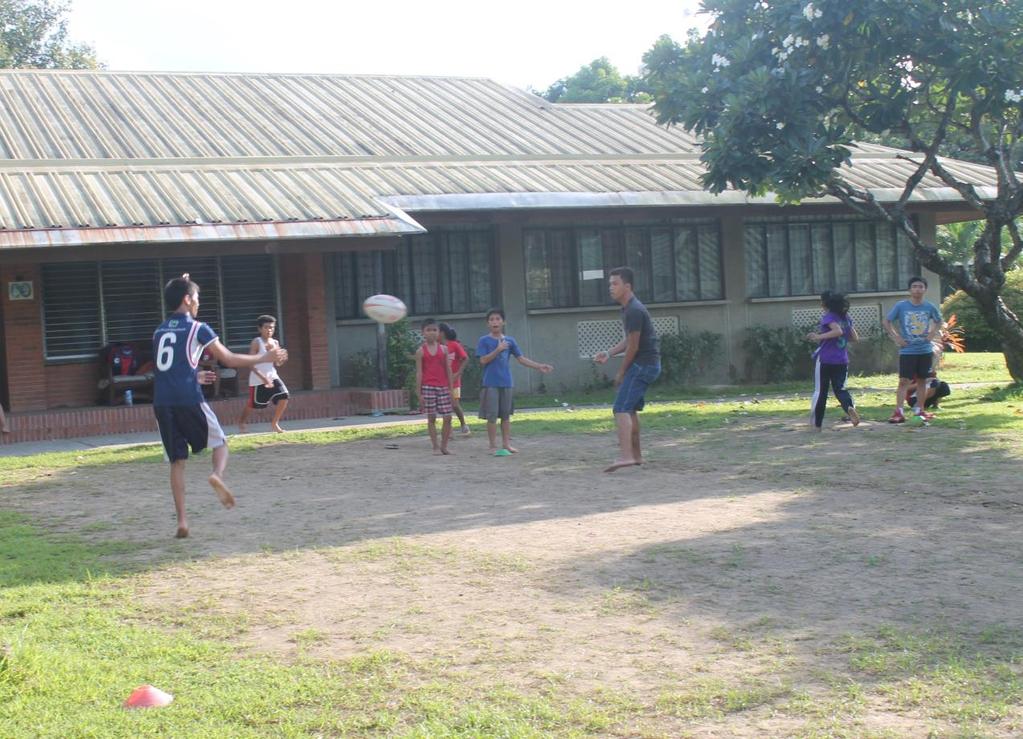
(443, 272)
(249, 287)
(810, 254)
(672, 262)
(87, 305)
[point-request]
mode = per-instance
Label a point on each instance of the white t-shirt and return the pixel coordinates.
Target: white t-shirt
(267, 368)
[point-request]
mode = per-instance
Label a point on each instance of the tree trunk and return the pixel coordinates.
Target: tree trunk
(1001, 318)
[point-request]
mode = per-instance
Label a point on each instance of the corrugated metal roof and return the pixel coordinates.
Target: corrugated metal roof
(93, 157)
(57, 115)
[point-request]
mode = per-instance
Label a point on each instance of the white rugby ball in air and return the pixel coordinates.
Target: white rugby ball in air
(384, 308)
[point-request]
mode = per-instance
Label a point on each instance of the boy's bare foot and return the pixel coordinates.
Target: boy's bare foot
(512, 449)
(437, 451)
(854, 416)
(619, 463)
(445, 451)
(182, 533)
(465, 431)
(277, 427)
(222, 491)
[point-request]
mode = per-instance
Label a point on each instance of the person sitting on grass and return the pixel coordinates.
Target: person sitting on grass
(936, 389)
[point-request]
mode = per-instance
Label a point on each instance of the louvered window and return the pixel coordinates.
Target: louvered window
(89, 304)
(250, 290)
(132, 306)
(72, 314)
(447, 271)
(811, 254)
(672, 262)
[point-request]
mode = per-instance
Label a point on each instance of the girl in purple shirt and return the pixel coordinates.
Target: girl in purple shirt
(831, 367)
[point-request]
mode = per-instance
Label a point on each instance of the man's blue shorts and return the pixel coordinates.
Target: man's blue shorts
(630, 393)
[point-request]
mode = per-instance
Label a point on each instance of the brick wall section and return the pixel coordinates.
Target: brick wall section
(100, 421)
(23, 332)
(304, 305)
(318, 361)
(293, 308)
(35, 386)
(72, 385)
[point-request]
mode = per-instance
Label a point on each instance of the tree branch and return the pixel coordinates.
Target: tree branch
(968, 191)
(930, 152)
(1017, 246)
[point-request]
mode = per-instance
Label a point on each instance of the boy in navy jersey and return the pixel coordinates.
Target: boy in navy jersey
(184, 418)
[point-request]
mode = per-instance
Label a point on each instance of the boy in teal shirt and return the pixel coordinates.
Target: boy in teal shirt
(913, 325)
(495, 351)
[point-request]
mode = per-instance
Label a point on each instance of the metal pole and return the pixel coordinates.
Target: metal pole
(382, 356)
(378, 286)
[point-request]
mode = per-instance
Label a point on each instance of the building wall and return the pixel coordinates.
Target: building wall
(321, 347)
(550, 335)
(34, 384)
(25, 372)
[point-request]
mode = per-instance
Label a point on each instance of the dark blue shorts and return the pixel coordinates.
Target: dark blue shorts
(638, 377)
(187, 426)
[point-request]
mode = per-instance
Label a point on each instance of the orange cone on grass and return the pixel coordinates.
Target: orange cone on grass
(146, 696)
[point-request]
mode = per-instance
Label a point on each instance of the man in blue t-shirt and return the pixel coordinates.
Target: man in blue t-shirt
(495, 351)
(184, 417)
(913, 325)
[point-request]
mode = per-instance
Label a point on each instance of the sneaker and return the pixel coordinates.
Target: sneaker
(897, 417)
(924, 415)
(464, 431)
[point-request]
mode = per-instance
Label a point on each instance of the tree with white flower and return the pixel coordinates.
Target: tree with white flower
(804, 80)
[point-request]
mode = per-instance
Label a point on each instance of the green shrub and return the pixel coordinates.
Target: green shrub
(360, 370)
(598, 381)
(685, 356)
(472, 376)
(874, 352)
(402, 343)
(776, 354)
(978, 335)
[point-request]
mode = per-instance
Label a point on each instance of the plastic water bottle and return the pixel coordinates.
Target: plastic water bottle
(128, 399)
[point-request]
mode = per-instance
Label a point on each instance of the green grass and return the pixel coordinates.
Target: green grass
(28, 555)
(71, 652)
(75, 639)
(977, 367)
(983, 409)
(962, 678)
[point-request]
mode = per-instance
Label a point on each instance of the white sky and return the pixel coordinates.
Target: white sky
(526, 42)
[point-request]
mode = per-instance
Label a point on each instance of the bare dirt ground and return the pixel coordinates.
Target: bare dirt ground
(733, 586)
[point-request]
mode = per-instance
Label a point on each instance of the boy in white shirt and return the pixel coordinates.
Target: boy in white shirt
(265, 385)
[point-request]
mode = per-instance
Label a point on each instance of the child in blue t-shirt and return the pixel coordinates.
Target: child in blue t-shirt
(913, 325)
(495, 351)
